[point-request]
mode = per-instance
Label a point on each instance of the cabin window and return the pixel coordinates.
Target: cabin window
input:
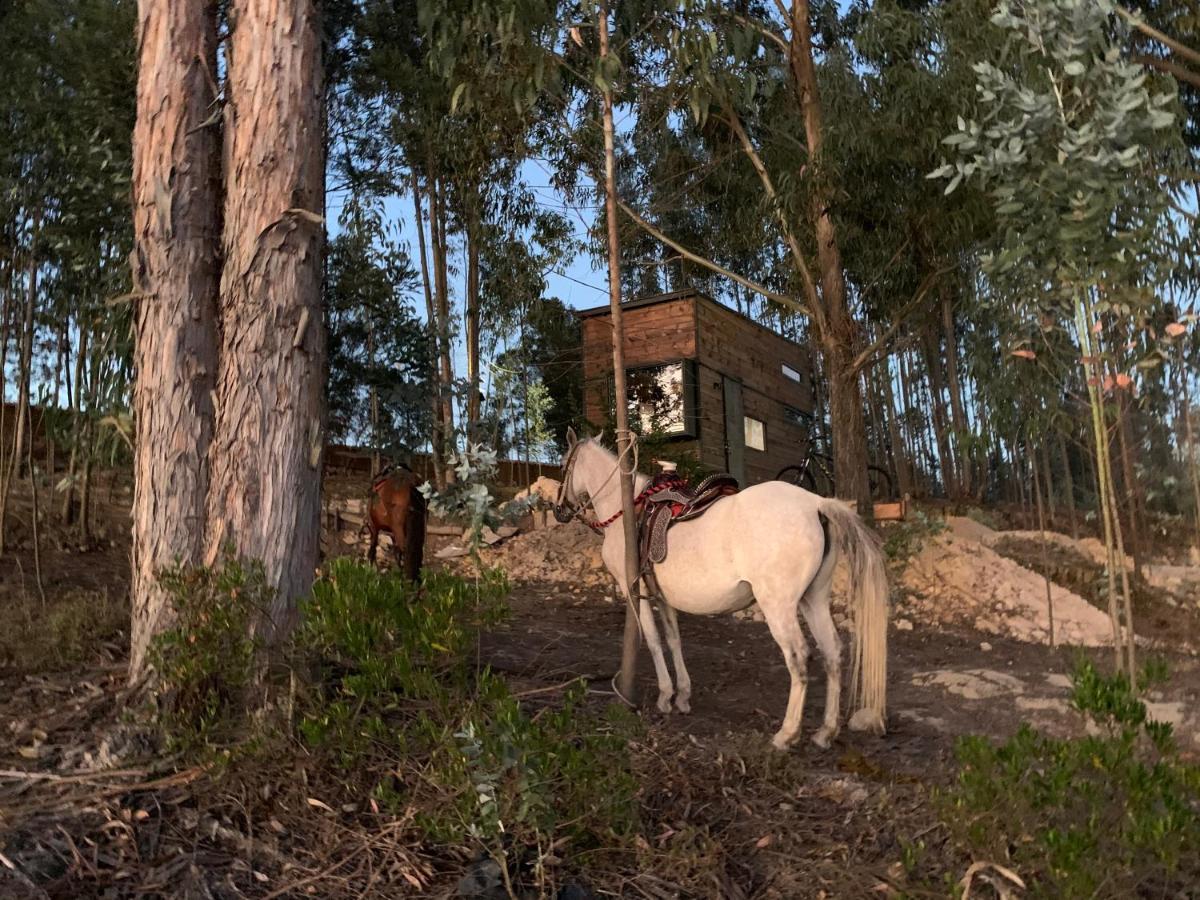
(661, 399)
(790, 373)
(756, 433)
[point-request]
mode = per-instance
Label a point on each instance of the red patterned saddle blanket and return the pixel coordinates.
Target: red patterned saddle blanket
(669, 499)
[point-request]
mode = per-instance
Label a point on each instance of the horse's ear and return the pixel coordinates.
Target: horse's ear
(600, 437)
(571, 439)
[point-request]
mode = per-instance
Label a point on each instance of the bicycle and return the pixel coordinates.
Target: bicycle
(802, 474)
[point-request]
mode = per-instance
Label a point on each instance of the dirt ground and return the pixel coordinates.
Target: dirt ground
(83, 813)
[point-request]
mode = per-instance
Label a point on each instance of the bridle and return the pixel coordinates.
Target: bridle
(565, 510)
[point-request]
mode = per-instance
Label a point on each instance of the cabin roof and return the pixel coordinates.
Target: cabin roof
(654, 299)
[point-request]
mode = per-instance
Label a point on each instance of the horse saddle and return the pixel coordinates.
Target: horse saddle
(669, 499)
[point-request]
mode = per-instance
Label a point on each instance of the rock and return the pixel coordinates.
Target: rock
(507, 531)
(985, 646)
(451, 552)
(904, 625)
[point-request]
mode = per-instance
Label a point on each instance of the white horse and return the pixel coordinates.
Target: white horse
(773, 543)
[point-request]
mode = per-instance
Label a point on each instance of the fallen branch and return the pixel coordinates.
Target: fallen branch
(81, 778)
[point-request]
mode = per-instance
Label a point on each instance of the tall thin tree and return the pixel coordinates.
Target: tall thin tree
(264, 493)
(176, 190)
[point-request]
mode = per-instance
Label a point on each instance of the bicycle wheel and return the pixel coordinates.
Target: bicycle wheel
(880, 482)
(801, 476)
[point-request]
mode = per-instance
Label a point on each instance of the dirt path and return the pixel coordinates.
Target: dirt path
(943, 683)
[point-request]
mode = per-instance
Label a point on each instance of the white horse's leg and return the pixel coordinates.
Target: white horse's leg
(683, 681)
(820, 623)
(650, 630)
(782, 619)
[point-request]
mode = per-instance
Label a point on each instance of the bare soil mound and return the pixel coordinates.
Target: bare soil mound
(564, 554)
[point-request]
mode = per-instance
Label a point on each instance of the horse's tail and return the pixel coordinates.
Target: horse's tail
(863, 552)
(414, 534)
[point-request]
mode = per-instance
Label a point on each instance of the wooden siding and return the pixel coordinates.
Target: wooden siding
(729, 345)
(653, 334)
(739, 348)
(725, 345)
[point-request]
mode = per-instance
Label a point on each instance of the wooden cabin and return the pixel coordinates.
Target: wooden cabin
(735, 393)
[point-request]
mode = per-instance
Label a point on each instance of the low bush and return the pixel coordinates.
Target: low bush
(1115, 814)
(398, 695)
(204, 663)
(390, 701)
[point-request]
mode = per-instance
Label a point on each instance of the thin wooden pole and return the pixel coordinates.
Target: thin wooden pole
(1037, 493)
(627, 678)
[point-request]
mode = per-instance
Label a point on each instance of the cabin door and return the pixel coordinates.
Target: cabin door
(735, 430)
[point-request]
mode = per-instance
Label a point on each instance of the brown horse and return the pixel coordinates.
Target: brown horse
(398, 508)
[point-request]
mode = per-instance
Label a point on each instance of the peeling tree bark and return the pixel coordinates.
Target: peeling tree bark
(264, 493)
(176, 222)
(836, 329)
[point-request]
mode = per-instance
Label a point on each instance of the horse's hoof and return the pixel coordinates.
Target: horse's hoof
(867, 720)
(824, 737)
(781, 743)
(664, 703)
(682, 704)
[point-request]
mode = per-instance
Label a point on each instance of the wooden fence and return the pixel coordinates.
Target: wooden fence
(511, 472)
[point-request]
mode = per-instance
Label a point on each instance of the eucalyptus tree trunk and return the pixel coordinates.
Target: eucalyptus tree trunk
(837, 332)
(437, 228)
(68, 507)
(374, 401)
(937, 395)
(1133, 513)
(1187, 441)
(268, 438)
(22, 423)
(1111, 522)
(1037, 493)
(958, 415)
(176, 211)
(1070, 487)
(24, 430)
(912, 445)
(438, 439)
(9, 283)
(473, 324)
(1047, 480)
(61, 361)
(899, 452)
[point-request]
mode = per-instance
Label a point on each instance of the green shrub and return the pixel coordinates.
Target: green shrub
(1111, 815)
(204, 664)
(399, 696)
